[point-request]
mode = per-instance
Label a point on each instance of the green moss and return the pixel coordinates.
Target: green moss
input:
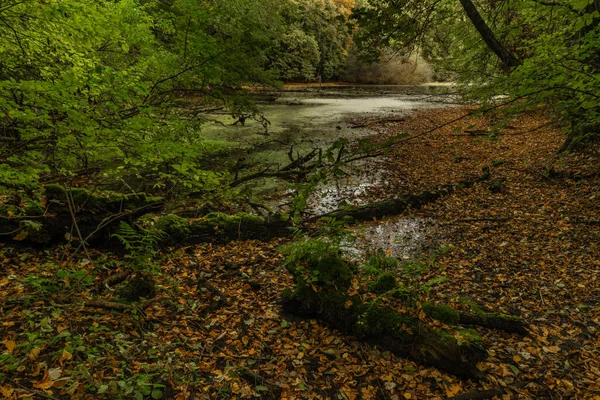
(375, 320)
(384, 283)
(470, 336)
(175, 227)
(466, 341)
(228, 225)
(106, 201)
(441, 313)
(229, 222)
(445, 337)
(319, 262)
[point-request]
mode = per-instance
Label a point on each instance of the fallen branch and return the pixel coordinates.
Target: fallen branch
(503, 322)
(117, 278)
(97, 303)
(123, 307)
(399, 205)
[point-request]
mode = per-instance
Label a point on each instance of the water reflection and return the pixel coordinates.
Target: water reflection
(399, 237)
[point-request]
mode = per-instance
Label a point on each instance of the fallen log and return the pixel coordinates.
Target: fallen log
(401, 204)
(94, 213)
(322, 290)
(503, 322)
(322, 280)
(216, 227)
(91, 303)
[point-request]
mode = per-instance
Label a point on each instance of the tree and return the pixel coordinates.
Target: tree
(506, 57)
(315, 41)
(96, 85)
(536, 52)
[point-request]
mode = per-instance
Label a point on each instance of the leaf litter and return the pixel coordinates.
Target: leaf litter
(525, 243)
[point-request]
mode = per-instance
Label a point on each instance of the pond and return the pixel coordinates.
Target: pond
(307, 118)
(311, 118)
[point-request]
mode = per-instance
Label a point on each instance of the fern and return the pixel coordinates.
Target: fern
(141, 245)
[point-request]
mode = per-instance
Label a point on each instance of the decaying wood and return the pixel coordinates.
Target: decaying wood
(494, 321)
(401, 204)
(111, 305)
(92, 303)
(117, 278)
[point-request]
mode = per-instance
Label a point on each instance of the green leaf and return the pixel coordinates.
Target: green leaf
(261, 388)
(102, 389)
(157, 394)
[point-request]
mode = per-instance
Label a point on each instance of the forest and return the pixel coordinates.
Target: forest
(300, 199)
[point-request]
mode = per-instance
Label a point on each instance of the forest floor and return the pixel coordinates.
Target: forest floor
(526, 242)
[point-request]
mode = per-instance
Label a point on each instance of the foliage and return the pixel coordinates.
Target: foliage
(318, 261)
(335, 229)
(557, 45)
(315, 41)
(141, 245)
(384, 283)
(378, 262)
(90, 85)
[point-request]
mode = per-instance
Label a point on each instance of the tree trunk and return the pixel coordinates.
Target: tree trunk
(508, 59)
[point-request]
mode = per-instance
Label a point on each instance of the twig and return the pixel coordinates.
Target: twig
(109, 220)
(71, 204)
(112, 305)
(117, 278)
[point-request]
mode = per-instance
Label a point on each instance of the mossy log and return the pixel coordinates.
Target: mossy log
(503, 322)
(94, 211)
(322, 281)
(401, 204)
(391, 330)
(216, 226)
(491, 320)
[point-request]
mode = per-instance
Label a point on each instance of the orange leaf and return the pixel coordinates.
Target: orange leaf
(10, 345)
(6, 392)
(46, 382)
(21, 235)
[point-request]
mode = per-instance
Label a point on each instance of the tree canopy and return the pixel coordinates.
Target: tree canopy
(90, 84)
(536, 52)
